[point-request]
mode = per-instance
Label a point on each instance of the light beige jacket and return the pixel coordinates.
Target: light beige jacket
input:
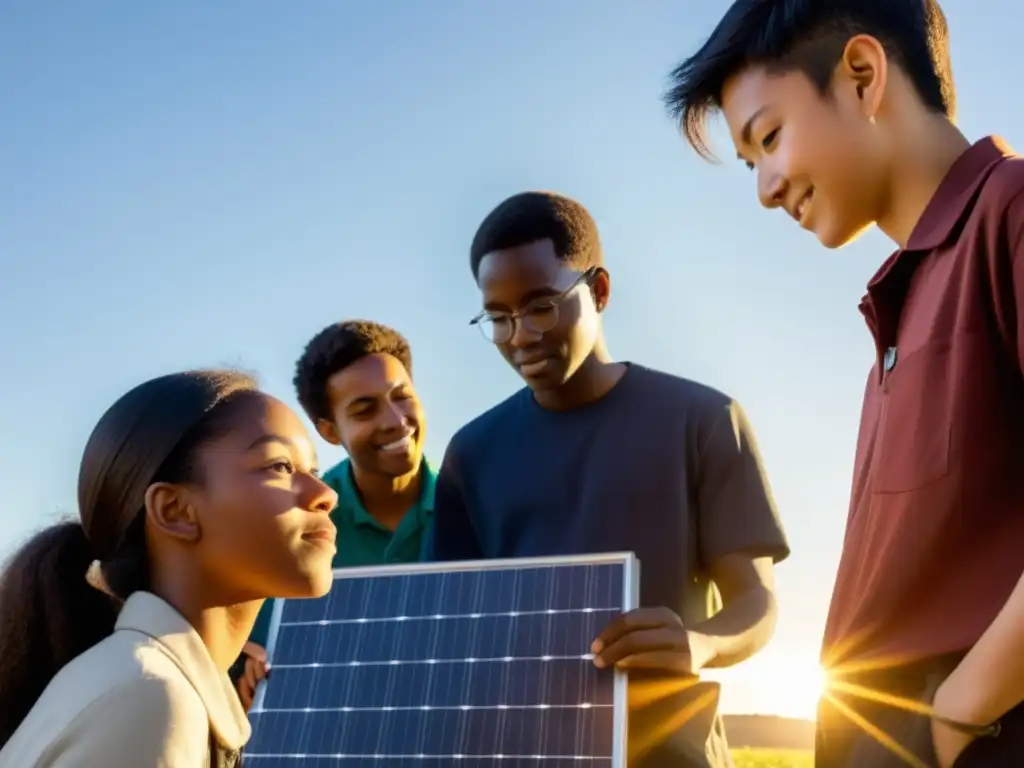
(149, 696)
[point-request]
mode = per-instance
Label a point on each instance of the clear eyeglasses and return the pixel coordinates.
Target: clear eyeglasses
(539, 316)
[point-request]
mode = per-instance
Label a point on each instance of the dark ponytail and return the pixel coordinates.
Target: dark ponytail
(49, 611)
(48, 615)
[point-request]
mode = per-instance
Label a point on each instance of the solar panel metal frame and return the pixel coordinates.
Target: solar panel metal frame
(630, 600)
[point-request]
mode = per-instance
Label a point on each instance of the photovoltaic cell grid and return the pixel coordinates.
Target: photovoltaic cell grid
(483, 664)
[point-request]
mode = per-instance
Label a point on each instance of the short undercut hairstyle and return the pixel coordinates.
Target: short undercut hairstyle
(531, 216)
(810, 36)
(337, 347)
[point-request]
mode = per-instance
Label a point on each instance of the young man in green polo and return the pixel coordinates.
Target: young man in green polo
(354, 381)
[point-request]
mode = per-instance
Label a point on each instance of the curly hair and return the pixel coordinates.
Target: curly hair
(335, 348)
(531, 216)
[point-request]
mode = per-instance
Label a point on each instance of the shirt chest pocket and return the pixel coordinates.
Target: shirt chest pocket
(919, 408)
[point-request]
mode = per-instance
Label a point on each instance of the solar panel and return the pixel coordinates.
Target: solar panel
(470, 664)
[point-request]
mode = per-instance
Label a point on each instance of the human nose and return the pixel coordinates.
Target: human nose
(392, 416)
(771, 186)
(523, 335)
(320, 497)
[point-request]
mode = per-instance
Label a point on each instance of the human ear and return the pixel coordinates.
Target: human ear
(328, 431)
(171, 512)
(865, 67)
(601, 289)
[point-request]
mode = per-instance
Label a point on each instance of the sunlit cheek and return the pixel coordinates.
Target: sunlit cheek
(282, 531)
(292, 520)
(411, 410)
(787, 160)
(223, 504)
(356, 435)
(266, 507)
(587, 322)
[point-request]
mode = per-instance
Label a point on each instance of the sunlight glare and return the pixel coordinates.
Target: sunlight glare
(775, 684)
(796, 690)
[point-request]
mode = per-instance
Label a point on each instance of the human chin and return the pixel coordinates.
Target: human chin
(545, 374)
(321, 579)
(313, 574)
(838, 234)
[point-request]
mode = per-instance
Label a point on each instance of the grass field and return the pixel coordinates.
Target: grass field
(773, 758)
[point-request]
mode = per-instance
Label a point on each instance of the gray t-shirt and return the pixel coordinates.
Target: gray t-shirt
(660, 466)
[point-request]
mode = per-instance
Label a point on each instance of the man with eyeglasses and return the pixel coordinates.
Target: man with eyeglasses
(597, 456)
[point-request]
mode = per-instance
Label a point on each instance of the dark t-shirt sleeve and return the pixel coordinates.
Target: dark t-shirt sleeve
(451, 537)
(736, 512)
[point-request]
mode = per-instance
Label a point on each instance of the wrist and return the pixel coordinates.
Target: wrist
(703, 649)
(964, 701)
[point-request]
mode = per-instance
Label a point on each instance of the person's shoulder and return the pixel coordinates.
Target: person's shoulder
(115, 692)
(482, 428)
(699, 409)
(116, 663)
(149, 716)
(1002, 193)
(673, 389)
(154, 696)
(130, 665)
(139, 665)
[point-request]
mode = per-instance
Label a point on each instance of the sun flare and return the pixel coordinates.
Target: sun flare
(775, 684)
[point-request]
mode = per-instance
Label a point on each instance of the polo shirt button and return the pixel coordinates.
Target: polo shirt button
(889, 361)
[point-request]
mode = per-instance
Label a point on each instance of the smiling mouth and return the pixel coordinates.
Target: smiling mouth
(803, 207)
(400, 445)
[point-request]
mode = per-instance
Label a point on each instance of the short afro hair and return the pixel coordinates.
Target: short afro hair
(532, 216)
(335, 348)
(810, 36)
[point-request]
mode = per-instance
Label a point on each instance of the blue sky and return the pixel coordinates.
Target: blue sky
(187, 184)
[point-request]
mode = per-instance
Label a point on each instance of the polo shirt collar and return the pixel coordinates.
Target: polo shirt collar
(146, 613)
(957, 191)
(349, 501)
(944, 212)
(428, 482)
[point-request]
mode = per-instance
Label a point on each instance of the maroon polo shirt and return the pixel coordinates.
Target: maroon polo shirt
(935, 537)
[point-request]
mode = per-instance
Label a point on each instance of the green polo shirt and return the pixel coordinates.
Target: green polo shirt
(361, 539)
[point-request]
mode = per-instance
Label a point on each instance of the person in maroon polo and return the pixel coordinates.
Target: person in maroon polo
(844, 111)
